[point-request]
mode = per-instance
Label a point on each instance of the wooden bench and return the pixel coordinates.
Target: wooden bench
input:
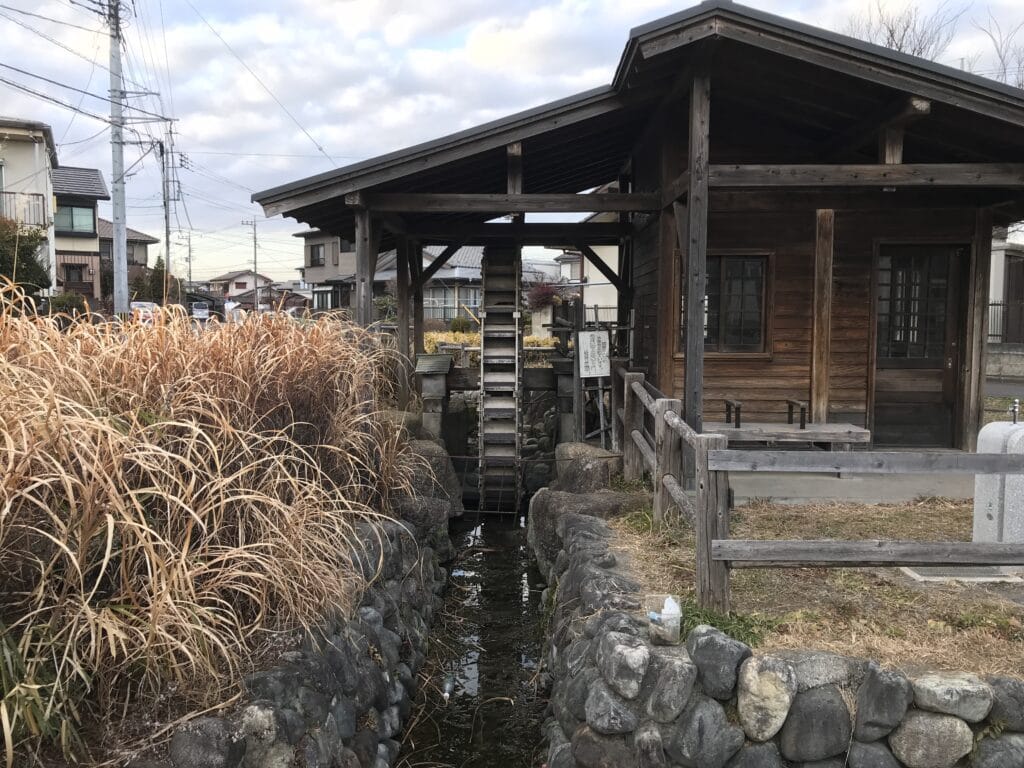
(837, 435)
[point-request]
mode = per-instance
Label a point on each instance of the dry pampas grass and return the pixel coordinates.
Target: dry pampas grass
(170, 497)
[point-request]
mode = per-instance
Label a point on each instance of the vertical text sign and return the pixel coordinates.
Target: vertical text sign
(594, 354)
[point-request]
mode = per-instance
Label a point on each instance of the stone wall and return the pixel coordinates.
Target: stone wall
(1005, 361)
(618, 699)
(340, 695)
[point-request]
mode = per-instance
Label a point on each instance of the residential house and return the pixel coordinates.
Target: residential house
(28, 155)
(272, 298)
(1006, 290)
(78, 190)
(326, 262)
(234, 284)
(138, 254)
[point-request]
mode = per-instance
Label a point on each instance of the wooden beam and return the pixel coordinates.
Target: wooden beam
(511, 202)
(918, 175)
(676, 189)
(867, 462)
(590, 255)
(697, 242)
(565, 234)
(826, 553)
(364, 276)
(402, 298)
(437, 263)
(416, 268)
(971, 381)
(860, 198)
(821, 343)
(897, 114)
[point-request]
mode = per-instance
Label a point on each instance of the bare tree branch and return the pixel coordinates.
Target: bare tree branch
(909, 30)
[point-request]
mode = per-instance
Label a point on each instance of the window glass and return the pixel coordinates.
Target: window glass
(73, 218)
(734, 317)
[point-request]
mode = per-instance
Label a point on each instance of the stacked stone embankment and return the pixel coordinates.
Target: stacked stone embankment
(618, 699)
(341, 695)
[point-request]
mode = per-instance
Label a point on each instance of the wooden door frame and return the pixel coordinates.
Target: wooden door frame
(876, 247)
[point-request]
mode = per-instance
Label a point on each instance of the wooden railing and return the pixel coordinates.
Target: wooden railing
(690, 474)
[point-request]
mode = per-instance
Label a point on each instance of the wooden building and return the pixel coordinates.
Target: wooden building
(803, 215)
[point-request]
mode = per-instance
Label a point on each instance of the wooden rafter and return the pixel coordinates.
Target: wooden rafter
(609, 274)
(895, 115)
(427, 202)
(436, 264)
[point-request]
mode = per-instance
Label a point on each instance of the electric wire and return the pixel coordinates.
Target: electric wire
(262, 84)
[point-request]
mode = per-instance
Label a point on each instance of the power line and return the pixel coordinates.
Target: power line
(79, 90)
(52, 99)
(46, 18)
(262, 84)
(53, 40)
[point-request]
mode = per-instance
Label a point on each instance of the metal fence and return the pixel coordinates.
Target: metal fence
(435, 310)
(1006, 322)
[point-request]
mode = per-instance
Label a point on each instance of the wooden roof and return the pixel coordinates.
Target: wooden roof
(780, 89)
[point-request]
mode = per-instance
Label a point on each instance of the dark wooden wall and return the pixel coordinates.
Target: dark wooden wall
(764, 382)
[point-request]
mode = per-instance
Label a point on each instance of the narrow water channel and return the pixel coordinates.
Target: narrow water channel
(486, 645)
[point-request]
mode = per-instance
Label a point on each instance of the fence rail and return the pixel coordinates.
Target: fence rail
(28, 208)
(690, 473)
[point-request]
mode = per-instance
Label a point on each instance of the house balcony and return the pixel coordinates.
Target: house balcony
(26, 208)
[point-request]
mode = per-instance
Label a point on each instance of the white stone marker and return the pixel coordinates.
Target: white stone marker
(999, 499)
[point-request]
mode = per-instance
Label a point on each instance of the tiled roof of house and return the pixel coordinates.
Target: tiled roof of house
(105, 229)
(79, 182)
(229, 276)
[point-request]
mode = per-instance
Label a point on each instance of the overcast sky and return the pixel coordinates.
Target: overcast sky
(360, 77)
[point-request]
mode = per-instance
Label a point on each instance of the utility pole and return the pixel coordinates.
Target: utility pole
(189, 235)
(164, 175)
(255, 271)
(120, 245)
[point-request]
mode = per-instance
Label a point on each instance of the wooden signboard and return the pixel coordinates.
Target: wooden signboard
(594, 354)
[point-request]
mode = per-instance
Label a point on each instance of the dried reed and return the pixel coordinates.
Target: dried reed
(169, 497)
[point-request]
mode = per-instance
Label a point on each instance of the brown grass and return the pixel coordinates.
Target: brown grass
(171, 499)
(871, 613)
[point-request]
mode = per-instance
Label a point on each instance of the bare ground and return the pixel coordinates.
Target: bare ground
(872, 613)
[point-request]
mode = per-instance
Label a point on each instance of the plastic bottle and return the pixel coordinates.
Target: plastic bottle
(671, 615)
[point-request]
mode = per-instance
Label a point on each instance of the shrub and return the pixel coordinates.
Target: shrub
(170, 500)
(543, 295)
(460, 324)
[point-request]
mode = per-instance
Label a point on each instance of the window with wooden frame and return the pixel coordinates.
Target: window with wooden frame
(316, 255)
(735, 314)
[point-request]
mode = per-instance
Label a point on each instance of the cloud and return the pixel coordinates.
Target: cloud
(362, 77)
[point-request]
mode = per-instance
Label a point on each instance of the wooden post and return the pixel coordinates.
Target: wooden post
(579, 319)
(364, 284)
(616, 403)
(632, 418)
(697, 242)
(514, 155)
(416, 264)
(712, 522)
(821, 352)
(667, 456)
(972, 367)
(402, 289)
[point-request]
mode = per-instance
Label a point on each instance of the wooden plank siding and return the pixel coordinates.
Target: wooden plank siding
(764, 382)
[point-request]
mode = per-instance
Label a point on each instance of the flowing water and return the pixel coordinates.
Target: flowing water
(486, 646)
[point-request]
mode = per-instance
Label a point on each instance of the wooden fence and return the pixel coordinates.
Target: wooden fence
(690, 474)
